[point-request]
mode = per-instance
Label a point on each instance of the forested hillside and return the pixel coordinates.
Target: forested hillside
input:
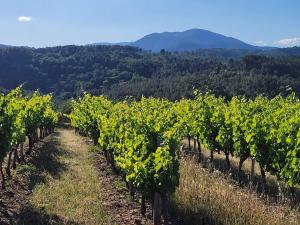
(119, 71)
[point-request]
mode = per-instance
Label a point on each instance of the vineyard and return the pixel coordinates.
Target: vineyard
(141, 140)
(22, 119)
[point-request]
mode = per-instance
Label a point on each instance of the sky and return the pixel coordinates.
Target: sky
(40, 23)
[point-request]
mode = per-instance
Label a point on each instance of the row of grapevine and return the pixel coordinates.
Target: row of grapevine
(141, 139)
(21, 117)
(267, 130)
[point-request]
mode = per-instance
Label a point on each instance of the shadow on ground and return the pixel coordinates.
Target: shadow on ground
(33, 216)
(273, 191)
(46, 162)
(181, 217)
(43, 162)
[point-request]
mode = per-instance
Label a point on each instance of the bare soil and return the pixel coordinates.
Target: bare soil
(19, 188)
(118, 203)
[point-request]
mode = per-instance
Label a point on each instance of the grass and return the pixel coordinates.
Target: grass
(70, 191)
(277, 190)
(66, 190)
(210, 198)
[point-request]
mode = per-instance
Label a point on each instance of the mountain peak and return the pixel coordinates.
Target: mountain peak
(192, 39)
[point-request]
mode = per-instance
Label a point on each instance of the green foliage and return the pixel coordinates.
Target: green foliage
(143, 137)
(5, 129)
(21, 116)
(120, 71)
(266, 130)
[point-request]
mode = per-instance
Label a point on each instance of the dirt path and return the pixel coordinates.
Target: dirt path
(69, 191)
(117, 200)
(66, 183)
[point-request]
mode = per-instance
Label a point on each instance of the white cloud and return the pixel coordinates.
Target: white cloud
(24, 19)
(289, 41)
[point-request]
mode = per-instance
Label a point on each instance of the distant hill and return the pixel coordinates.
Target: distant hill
(4, 46)
(119, 71)
(189, 40)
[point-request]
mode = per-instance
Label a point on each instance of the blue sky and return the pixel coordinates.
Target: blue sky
(42, 23)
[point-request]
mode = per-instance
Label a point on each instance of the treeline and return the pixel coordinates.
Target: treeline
(118, 71)
(23, 117)
(141, 139)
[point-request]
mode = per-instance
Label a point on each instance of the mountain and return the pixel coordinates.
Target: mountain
(189, 40)
(3, 46)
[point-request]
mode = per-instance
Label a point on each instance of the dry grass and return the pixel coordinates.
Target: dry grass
(67, 190)
(74, 195)
(209, 198)
(220, 159)
(277, 190)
